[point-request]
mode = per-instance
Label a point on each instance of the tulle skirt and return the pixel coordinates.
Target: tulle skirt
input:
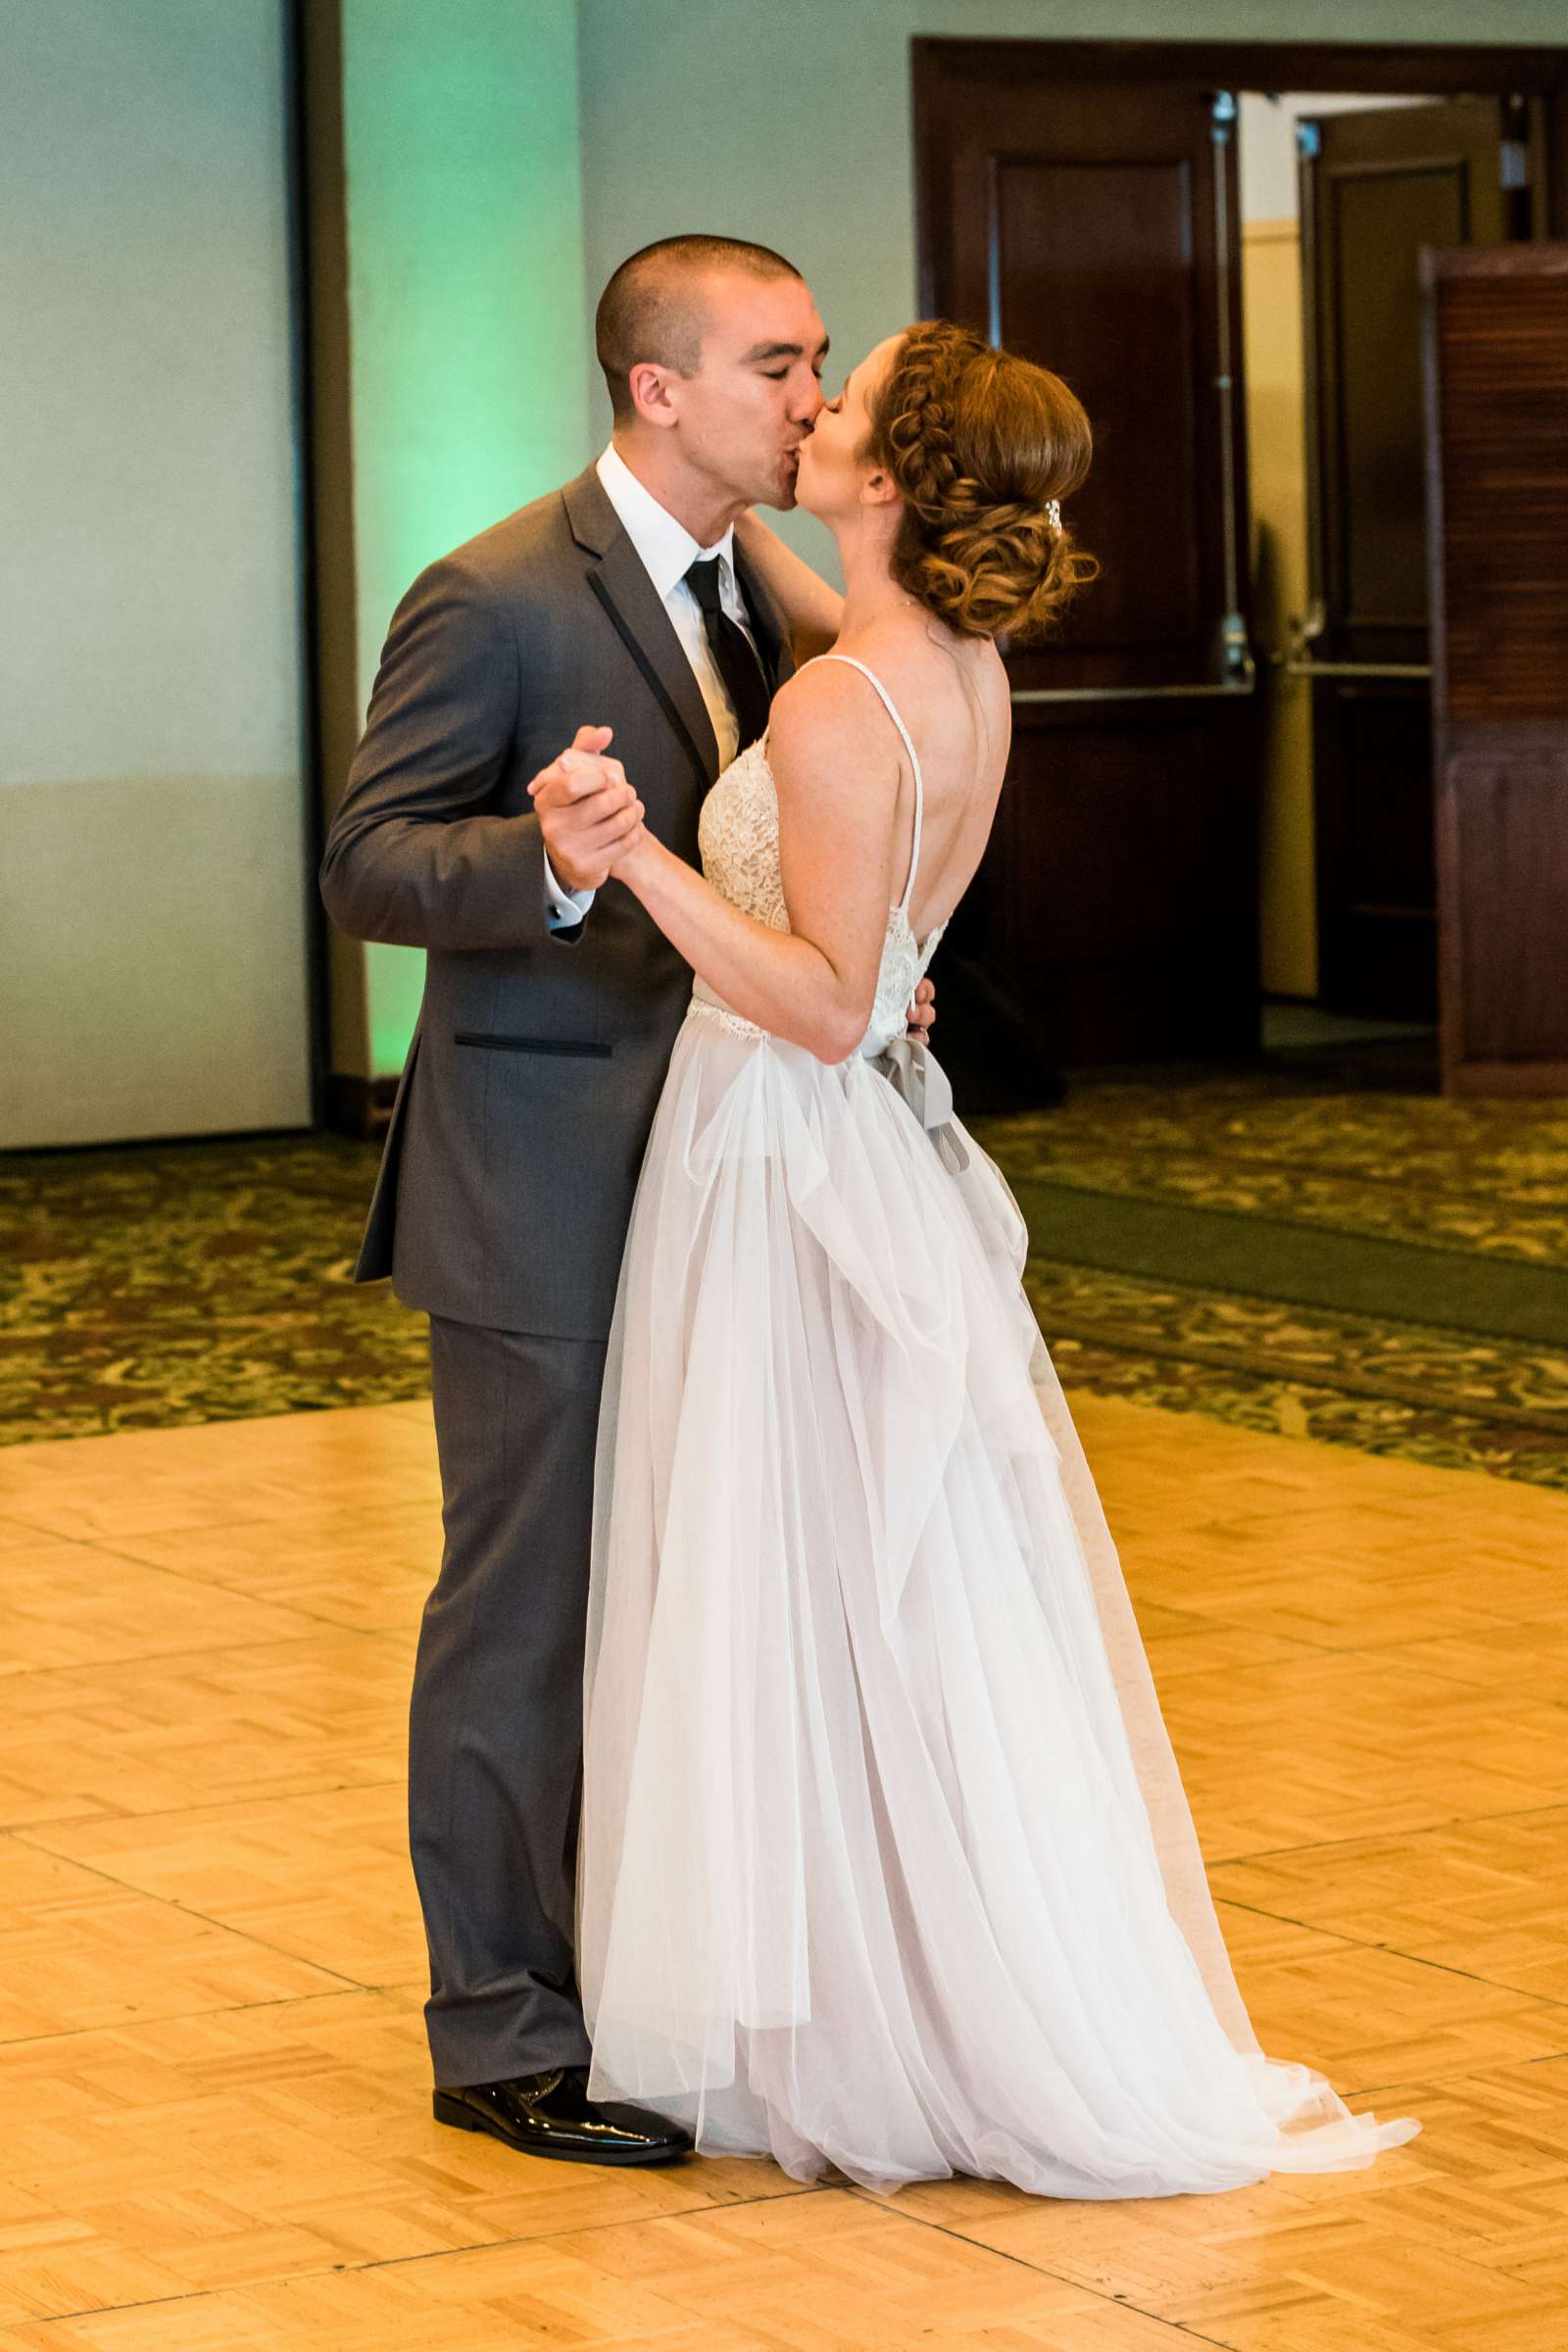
(885, 1860)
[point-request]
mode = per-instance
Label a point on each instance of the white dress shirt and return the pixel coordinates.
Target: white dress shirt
(668, 551)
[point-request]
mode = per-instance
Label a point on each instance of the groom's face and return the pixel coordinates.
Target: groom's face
(757, 389)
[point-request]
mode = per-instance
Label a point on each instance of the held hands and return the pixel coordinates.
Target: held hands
(590, 816)
(592, 822)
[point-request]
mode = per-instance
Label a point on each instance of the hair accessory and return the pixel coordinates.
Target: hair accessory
(1053, 512)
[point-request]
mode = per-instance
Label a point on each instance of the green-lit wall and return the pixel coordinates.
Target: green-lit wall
(467, 358)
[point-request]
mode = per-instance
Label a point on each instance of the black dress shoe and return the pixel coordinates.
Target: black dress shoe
(551, 2115)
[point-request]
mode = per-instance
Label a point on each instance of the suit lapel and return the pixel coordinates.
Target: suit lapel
(616, 578)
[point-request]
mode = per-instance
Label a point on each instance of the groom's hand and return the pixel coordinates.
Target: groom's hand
(587, 811)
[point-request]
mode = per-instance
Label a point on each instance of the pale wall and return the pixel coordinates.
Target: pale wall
(153, 978)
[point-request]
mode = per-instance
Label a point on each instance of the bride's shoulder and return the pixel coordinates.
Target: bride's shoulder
(829, 746)
(824, 706)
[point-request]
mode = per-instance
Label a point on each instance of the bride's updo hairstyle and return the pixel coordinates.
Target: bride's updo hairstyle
(978, 442)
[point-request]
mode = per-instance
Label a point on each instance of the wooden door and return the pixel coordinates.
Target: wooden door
(1496, 392)
(1093, 226)
(1376, 188)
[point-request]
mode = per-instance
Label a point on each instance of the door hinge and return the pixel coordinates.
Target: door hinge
(1309, 141)
(1222, 113)
(1513, 164)
(1236, 663)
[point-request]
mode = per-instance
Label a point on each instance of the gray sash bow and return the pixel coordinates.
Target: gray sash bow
(913, 1071)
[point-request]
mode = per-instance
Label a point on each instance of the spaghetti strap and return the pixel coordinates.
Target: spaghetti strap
(888, 705)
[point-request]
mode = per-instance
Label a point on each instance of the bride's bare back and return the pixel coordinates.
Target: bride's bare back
(843, 780)
(952, 696)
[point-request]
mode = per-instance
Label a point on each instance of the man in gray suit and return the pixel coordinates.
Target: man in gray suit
(506, 1187)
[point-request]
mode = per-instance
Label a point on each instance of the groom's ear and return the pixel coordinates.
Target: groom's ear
(649, 385)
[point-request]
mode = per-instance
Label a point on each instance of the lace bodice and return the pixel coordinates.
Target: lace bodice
(738, 836)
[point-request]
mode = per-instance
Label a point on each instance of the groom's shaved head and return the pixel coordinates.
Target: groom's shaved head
(655, 307)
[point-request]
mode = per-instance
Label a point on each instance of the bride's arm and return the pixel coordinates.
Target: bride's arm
(814, 984)
(811, 608)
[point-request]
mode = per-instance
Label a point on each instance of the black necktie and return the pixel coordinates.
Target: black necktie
(739, 664)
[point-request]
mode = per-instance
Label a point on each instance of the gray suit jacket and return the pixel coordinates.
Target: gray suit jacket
(506, 1186)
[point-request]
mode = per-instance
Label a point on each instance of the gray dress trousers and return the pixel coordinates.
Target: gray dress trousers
(505, 1188)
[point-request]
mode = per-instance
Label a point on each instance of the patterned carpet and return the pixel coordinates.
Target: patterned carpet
(1378, 1270)
(1454, 1199)
(166, 1282)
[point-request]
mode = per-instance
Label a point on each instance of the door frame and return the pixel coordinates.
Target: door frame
(942, 65)
(307, 525)
(1429, 69)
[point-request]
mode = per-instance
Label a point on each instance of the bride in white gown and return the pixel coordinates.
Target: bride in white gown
(885, 1859)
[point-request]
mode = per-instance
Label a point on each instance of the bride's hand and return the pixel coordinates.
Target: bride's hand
(635, 856)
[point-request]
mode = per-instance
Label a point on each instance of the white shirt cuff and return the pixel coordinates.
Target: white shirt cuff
(564, 906)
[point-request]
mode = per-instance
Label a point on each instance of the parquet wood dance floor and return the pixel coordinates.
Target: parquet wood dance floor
(216, 2122)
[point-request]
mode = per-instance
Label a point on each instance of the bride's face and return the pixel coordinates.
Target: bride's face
(835, 475)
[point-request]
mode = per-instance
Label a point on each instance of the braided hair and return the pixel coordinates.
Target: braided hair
(981, 446)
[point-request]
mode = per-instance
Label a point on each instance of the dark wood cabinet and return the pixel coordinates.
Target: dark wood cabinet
(1496, 381)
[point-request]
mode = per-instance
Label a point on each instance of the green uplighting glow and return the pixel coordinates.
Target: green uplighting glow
(467, 308)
